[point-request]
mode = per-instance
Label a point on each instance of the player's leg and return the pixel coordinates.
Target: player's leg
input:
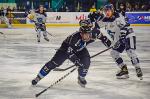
(56, 61)
(45, 33)
(130, 49)
(38, 35)
(82, 71)
(115, 54)
(6, 20)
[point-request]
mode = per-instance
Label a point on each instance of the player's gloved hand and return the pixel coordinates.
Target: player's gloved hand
(39, 24)
(96, 34)
(123, 40)
(75, 60)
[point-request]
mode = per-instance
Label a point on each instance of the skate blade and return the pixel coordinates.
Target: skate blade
(82, 85)
(123, 77)
(141, 78)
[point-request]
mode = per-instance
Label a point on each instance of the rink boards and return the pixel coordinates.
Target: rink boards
(62, 19)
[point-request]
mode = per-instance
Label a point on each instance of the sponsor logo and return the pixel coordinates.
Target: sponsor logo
(143, 17)
(81, 17)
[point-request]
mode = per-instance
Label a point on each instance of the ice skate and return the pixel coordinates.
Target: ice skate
(81, 81)
(139, 73)
(36, 80)
(123, 73)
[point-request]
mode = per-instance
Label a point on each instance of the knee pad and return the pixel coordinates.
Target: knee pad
(82, 71)
(134, 59)
(47, 68)
(115, 55)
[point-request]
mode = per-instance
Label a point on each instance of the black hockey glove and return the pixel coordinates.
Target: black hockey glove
(73, 57)
(75, 60)
(96, 34)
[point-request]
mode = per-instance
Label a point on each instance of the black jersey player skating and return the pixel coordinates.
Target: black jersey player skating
(74, 49)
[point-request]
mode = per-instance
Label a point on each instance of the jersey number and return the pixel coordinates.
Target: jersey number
(111, 34)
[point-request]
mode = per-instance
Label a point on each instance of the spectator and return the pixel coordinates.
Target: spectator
(136, 7)
(93, 9)
(14, 9)
(128, 7)
(70, 4)
(144, 7)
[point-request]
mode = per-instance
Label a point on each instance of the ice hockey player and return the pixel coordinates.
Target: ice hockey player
(123, 38)
(39, 17)
(3, 17)
(74, 49)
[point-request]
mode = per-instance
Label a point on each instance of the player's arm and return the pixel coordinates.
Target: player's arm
(96, 34)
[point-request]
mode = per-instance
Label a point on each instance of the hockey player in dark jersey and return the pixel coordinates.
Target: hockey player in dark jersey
(123, 38)
(74, 49)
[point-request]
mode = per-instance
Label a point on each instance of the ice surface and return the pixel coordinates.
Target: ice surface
(21, 57)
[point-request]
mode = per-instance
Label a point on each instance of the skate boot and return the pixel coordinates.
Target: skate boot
(139, 73)
(38, 41)
(9, 26)
(46, 39)
(36, 80)
(123, 73)
(81, 81)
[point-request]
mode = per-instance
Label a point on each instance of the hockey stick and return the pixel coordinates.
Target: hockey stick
(3, 34)
(63, 77)
(49, 33)
(60, 69)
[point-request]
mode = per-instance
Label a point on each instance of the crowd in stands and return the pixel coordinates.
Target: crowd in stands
(82, 5)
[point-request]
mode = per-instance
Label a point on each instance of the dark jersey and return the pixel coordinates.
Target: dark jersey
(76, 43)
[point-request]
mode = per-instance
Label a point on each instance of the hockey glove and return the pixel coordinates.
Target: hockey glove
(75, 60)
(73, 57)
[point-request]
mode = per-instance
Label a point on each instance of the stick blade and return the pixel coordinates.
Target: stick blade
(36, 95)
(59, 69)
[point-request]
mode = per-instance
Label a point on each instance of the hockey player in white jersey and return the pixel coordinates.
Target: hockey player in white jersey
(3, 17)
(123, 38)
(39, 18)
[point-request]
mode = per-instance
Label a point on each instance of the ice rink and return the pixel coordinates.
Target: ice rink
(21, 57)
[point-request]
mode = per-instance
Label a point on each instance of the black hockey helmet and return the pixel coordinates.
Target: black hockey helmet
(85, 29)
(86, 22)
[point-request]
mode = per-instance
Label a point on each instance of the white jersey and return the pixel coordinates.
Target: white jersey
(114, 26)
(40, 17)
(3, 17)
